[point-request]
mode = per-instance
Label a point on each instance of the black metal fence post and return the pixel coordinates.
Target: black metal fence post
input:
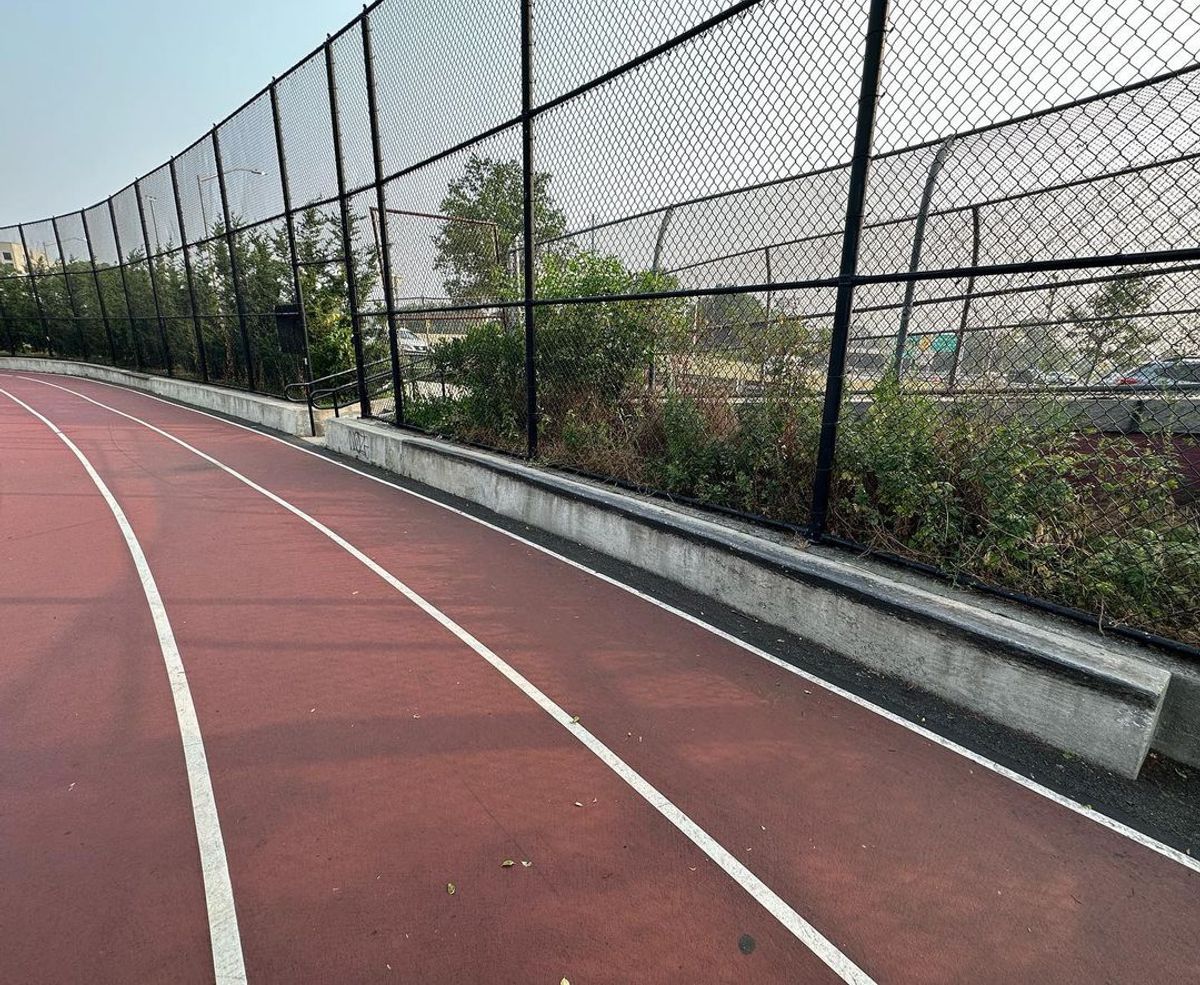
(197, 328)
(133, 335)
(62, 262)
(844, 307)
(529, 274)
(162, 324)
(656, 261)
(385, 246)
(770, 281)
(125, 288)
(108, 332)
(234, 271)
(970, 293)
(918, 244)
(37, 298)
(364, 399)
(290, 224)
(8, 327)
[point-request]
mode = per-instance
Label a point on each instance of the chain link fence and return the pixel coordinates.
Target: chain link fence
(919, 278)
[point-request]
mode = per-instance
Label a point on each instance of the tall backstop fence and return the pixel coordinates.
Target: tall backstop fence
(914, 277)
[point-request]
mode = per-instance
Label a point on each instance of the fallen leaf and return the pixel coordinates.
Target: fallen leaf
(450, 888)
(525, 862)
(507, 863)
(564, 982)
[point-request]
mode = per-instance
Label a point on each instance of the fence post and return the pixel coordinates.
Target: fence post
(966, 312)
(62, 262)
(918, 243)
(364, 399)
(385, 245)
(234, 273)
(8, 327)
(656, 260)
(108, 333)
(201, 356)
(528, 273)
(844, 307)
(37, 298)
(770, 281)
(133, 335)
(290, 224)
(162, 325)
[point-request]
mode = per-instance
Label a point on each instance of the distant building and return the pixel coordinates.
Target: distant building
(14, 254)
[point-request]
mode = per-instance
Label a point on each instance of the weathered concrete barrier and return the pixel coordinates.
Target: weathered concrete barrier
(1074, 690)
(271, 412)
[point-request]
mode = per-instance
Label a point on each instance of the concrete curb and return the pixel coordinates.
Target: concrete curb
(281, 415)
(1099, 701)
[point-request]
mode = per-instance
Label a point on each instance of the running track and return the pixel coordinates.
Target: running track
(377, 697)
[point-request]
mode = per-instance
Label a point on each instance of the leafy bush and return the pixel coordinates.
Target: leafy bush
(487, 365)
(1025, 501)
(589, 356)
(1011, 492)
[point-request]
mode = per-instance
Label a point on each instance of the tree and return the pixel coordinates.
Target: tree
(487, 202)
(1102, 328)
(593, 360)
(725, 320)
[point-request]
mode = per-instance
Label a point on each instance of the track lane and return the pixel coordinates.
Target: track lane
(100, 876)
(963, 876)
(363, 758)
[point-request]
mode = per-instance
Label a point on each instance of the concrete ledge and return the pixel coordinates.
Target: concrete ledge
(281, 415)
(1080, 694)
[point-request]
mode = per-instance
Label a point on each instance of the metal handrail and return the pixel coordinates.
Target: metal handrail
(340, 388)
(310, 393)
(295, 392)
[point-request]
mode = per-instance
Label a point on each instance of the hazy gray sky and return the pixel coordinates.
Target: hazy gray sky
(99, 91)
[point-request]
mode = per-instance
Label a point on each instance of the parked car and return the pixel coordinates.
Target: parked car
(1180, 373)
(411, 343)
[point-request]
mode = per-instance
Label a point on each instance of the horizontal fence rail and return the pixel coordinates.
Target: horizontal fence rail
(913, 278)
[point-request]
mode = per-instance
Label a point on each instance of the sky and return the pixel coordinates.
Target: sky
(97, 92)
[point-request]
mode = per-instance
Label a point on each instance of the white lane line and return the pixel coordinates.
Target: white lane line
(1187, 861)
(228, 965)
(805, 932)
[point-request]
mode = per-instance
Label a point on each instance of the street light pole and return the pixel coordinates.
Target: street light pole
(203, 210)
(154, 219)
(209, 177)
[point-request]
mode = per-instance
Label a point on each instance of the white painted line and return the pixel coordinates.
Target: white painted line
(228, 965)
(805, 932)
(1187, 861)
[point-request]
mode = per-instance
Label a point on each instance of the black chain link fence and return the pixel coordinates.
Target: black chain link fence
(914, 277)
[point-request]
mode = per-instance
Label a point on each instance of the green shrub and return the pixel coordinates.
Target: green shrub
(488, 366)
(1012, 491)
(1027, 502)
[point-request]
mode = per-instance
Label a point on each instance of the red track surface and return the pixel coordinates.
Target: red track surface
(363, 757)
